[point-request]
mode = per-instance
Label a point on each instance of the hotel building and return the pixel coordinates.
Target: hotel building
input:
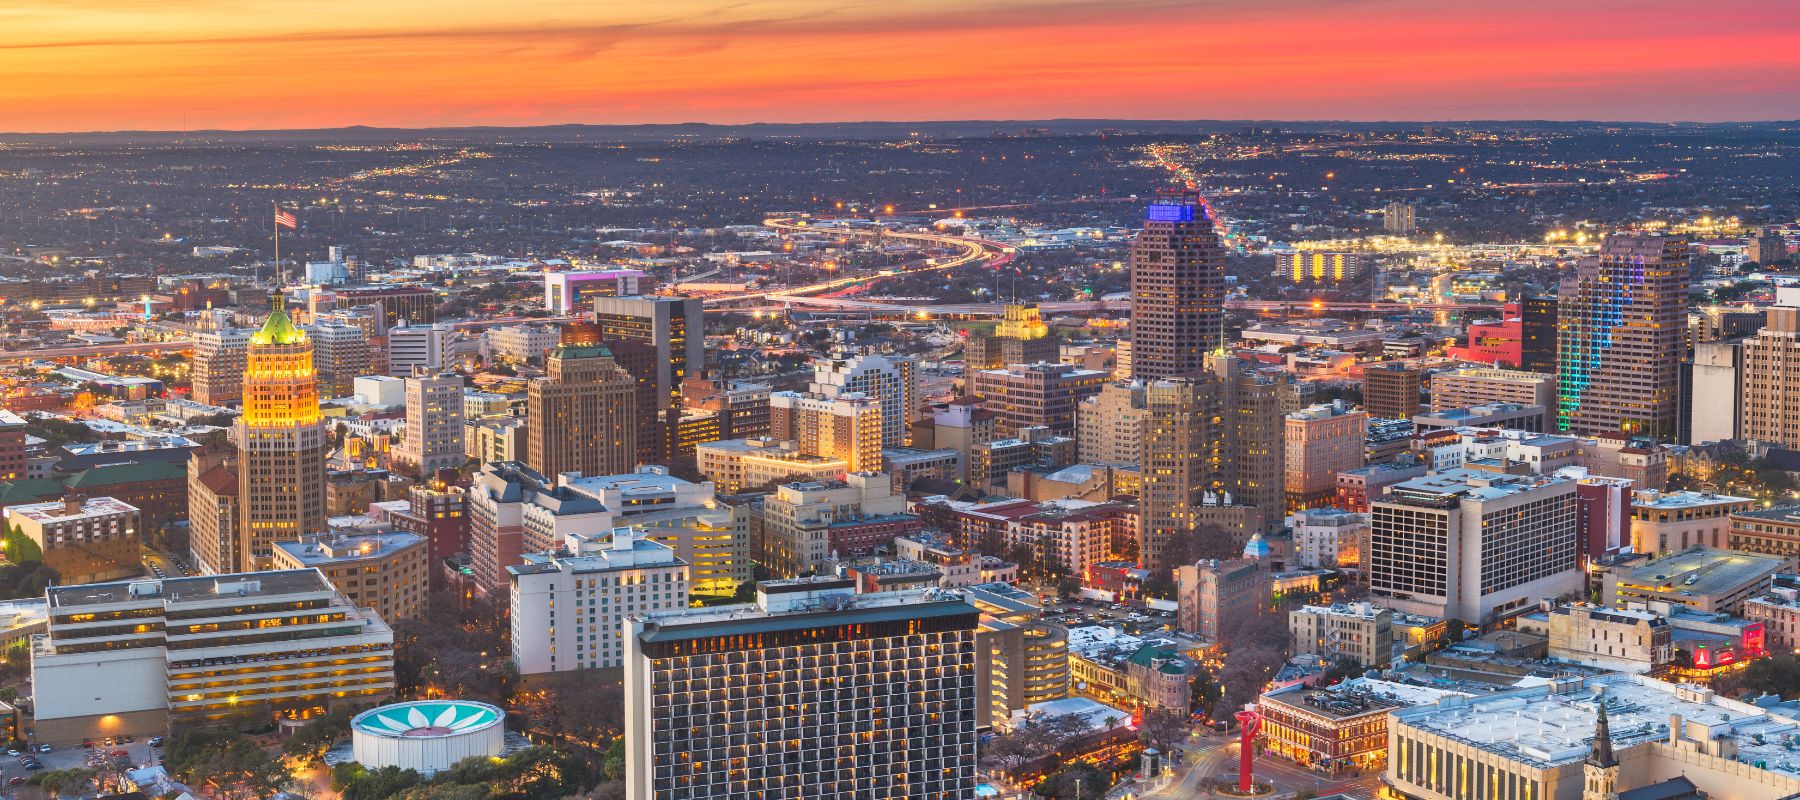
(811, 692)
(585, 592)
(145, 657)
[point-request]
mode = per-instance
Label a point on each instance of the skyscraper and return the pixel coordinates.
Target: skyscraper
(281, 441)
(340, 355)
(1621, 337)
(1257, 402)
(1771, 384)
(580, 417)
(1397, 218)
(811, 692)
(674, 329)
(434, 422)
(1537, 326)
(1020, 338)
(1183, 461)
(1177, 288)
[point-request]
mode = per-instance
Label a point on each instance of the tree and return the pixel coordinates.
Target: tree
(65, 781)
(1164, 727)
(453, 651)
(1256, 647)
(310, 742)
(1081, 777)
(1034, 738)
(1776, 675)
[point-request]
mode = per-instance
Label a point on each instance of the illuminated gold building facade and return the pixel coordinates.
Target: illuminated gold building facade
(281, 442)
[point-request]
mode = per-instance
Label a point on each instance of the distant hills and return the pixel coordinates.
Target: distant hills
(946, 129)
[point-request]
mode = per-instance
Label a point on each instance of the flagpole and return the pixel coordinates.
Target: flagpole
(275, 217)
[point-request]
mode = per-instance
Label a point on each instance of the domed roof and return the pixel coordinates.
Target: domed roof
(1257, 547)
(278, 330)
(427, 718)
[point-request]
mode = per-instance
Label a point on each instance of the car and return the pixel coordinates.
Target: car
(108, 741)
(17, 780)
(11, 752)
(43, 748)
(156, 741)
(34, 766)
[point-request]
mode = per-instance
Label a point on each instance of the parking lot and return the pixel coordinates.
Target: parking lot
(137, 754)
(1081, 611)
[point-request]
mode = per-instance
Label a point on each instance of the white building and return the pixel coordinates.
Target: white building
(892, 382)
(1471, 545)
(415, 347)
(434, 422)
(568, 609)
(379, 390)
(516, 344)
(1327, 537)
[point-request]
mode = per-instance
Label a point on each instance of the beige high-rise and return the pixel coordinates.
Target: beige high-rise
(434, 422)
(1183, 460)
(1109, 426)
(281, 443)
(218, 371)
(1771, 364)
(581, 416)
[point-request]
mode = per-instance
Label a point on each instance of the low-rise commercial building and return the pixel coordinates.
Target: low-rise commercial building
(1361, 632)
(1699, 578)
(1337, 728)
(1664, 522)
(142, 657)
(84, 540)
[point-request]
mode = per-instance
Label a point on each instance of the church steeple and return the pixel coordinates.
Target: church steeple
(1602, 753)
(1601, 769)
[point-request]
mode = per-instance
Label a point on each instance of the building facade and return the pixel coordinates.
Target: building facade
(582, 415)
(723, 701)
(281, 442)
(386, 572)
(1177, 289)
(569, 609)
(1621, 337)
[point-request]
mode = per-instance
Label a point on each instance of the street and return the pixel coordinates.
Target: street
(1217, 756)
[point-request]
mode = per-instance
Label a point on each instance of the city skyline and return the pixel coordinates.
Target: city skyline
(398, 63)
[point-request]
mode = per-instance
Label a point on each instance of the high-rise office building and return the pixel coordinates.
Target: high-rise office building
(1109, 426)
(813, 691)
(1475, 546)
(1184, 450)
(581, 416)
(1177, 288)
(890, 381)
(434, 422)
(1257, 402)
(1391, 391)
(1537, 327)
(670, 332)
(1623, 327)
(1035, 395)
(497, 497)
(1397, 218)
(340, 356)
(415, 304)
(281, 447)
(218, 368)
(1770, 380)
(418, 347)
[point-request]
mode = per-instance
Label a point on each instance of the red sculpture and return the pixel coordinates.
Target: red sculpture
(1249, 723)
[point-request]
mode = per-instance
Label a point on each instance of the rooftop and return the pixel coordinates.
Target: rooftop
(193, 589)
(1472, 484)
(1701, 571)
(340, 549)
(61, 511)
(1650, 498)
(1552, 725)
(833, 609)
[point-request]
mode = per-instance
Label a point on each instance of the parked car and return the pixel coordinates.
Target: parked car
(43, 748)
(156, 741)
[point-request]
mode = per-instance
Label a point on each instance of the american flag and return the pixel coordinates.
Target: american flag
(286, 218)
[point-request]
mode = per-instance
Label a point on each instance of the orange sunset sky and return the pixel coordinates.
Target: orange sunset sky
(72, 65)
